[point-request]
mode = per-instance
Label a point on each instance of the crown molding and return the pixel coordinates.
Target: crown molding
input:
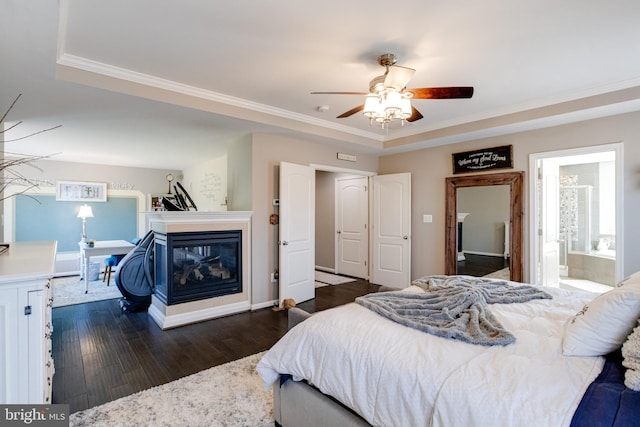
(147, 80)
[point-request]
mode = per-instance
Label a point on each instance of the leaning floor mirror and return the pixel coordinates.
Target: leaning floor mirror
(513, 241)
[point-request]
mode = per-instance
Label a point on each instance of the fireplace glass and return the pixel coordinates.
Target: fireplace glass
(195, 266)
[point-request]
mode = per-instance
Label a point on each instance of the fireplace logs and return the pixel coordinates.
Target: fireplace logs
(191, 271)
(201, 265)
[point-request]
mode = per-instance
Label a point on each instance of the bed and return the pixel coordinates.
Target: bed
(353, 366)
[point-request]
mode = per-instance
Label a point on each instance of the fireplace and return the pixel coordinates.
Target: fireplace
(192, 266)
(218, 245)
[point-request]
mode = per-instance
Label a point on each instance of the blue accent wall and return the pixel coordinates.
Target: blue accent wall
(44, 218)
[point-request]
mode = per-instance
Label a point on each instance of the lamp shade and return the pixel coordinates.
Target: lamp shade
(371, 106)
(405, 103)
(85, 212)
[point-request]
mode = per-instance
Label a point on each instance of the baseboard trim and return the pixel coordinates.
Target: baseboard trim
(266, 304)
(175, 320)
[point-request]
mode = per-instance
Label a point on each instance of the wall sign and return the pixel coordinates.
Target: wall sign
(347, 157)
(73, 191)
(484, 159)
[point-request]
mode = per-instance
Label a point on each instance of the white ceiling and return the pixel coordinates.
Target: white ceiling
(161, 83)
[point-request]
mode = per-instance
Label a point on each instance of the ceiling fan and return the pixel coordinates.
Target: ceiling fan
(389, 99)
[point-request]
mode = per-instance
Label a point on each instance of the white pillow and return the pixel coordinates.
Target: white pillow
(603, 324)
(632, 280)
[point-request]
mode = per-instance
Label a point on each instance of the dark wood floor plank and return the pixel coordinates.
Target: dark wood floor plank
(480, 265)
(102, 353)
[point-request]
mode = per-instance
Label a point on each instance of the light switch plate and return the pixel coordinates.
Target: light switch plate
(427, 218)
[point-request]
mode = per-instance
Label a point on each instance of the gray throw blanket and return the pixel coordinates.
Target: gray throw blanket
(454, 307)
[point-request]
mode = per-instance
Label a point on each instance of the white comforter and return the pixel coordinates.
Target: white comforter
(396, 376)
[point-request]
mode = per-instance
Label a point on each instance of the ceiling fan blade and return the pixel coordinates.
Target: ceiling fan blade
(398, 77)
(351, 112)
(442, 92)
(339, 93)
(415, 115)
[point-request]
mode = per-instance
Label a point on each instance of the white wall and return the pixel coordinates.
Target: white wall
(206, 183)
(429, 168)
(483, 229)
(239, 175)
(268, 151)
(121, 181)
(145, 180)
(325, 219)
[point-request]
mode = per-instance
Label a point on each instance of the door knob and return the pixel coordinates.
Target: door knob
(285, 243)
(405, 237)
(338, 231)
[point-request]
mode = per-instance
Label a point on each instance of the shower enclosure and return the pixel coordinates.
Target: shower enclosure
(587, 252)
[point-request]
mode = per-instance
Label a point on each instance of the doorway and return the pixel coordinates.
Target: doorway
(390, 212)
(330, 218)
(374, 202)
(577, 218)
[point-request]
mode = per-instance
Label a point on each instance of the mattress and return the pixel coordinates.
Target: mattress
(392, 375)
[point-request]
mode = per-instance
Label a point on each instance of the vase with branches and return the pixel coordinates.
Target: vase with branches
(10, 174)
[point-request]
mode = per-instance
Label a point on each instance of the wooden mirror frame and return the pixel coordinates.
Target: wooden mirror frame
(515, 182)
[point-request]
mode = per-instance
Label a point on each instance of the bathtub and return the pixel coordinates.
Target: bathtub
(597, 266)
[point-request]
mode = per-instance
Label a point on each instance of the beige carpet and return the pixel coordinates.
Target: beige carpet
(227, 395)
(70, 290)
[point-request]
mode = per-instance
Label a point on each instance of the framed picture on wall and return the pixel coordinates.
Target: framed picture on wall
(483, 159)
(74, 191)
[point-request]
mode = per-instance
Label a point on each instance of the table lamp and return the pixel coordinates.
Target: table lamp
(84, 213)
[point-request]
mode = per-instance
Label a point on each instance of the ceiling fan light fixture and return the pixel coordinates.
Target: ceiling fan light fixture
(372, 106)
(405, 104)
(397, 77)
(389, 98)
(392, 105)
(387, 106)
(377, 85)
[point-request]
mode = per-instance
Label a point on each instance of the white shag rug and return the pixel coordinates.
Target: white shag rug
(227, 395)
(70, 290)
(331, 279)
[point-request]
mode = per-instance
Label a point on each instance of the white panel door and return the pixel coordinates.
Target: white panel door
(297, 232)
(391, 231)
(549, 223)
(352, 217)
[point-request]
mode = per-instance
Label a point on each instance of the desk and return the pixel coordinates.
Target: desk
(102, 247)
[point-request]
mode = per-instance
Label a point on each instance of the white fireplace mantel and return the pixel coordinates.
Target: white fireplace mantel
(196, 217)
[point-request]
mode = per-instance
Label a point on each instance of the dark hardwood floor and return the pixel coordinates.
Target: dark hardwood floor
(479, 265)
(101, 353)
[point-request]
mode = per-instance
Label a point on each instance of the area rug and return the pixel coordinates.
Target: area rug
(70, 290)
(320, 284)
(332, 279)
(228, 395)
(503, 274)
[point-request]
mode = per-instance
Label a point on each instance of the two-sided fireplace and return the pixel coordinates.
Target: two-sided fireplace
(191, 266)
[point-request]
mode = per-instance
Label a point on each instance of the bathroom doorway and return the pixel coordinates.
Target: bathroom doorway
(576, 218)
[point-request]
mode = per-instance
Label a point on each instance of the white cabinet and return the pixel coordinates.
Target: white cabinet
(26, 363)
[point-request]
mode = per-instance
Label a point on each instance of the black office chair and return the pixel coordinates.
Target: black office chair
(113, 261)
